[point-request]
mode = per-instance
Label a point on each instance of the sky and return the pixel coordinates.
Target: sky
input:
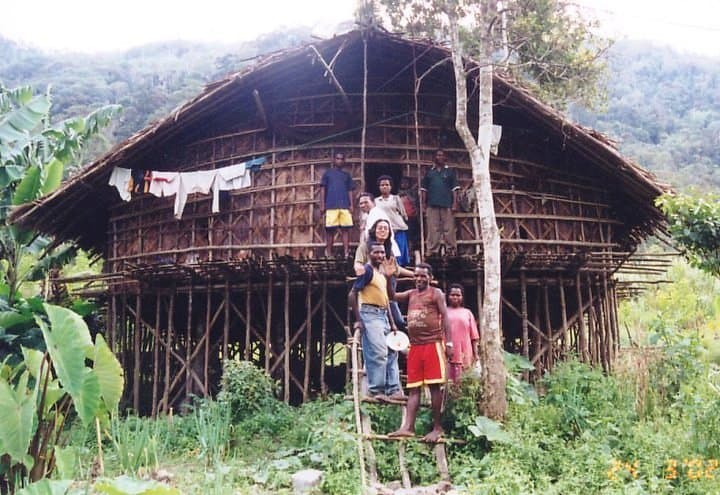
(100, 26)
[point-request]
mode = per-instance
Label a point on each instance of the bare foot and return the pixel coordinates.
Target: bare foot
(401, 433)
(434, 435)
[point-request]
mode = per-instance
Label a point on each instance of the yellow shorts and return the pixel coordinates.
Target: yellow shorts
(338, 218)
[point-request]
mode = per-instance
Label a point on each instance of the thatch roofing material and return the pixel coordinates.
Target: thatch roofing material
(79, 210)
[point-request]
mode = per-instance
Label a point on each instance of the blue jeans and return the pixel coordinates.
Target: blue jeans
(381, 363)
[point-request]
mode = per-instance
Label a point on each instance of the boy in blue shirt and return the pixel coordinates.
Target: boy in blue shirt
(337, 204)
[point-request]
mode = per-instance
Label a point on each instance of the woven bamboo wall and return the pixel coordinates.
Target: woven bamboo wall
(542, 205)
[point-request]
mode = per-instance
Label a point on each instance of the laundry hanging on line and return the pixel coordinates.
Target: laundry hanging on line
(182, 184)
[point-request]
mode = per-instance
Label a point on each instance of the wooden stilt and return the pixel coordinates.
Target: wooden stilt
(112, 321)
(169, 340)
(208, 333)
(188, 346)
(268, 323)
(592, 330)
(582, 341)
(323, 337)
(156, 357)
(609, 331)
(537, 336)
(286, 313)
(308, 338)
(247, 351)
(226, 321)
(563, 314)
(524, 313)
(136, 353)
(548, 328)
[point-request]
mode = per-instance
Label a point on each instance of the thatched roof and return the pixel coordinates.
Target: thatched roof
(79, 210)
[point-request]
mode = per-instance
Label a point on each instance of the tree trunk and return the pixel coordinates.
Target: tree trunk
(494, 402)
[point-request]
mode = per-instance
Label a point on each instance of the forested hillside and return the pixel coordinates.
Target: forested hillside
(663, 107)
(664, 110)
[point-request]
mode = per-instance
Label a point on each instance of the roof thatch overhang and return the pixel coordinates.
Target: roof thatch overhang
(79, 210)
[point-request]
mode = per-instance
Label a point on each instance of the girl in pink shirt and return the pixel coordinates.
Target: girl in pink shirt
(464, 332)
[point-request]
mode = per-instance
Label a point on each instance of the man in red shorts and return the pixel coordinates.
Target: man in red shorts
(430, 346)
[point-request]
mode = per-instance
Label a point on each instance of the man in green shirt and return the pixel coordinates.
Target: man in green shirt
(439, 196)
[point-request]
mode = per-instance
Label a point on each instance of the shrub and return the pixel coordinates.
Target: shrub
(246, 389)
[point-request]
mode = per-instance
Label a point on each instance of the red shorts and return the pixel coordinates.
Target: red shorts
(426, 364)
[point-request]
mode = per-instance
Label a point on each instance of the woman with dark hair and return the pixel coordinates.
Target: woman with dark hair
(381, 232)
(464, 332)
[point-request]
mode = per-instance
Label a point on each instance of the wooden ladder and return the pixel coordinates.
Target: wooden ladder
(366, 436)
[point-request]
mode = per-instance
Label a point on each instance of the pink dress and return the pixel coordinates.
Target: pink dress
(463, 330)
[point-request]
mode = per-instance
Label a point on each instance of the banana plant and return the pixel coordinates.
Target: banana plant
(37, 396)
(34, 155)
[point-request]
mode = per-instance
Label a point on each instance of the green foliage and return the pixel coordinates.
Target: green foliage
(138, 443)
(663, 107)
(557, 52)
(548, 44)
(694, 223)
(38, 392)
(214, 429)
(124, 485)
(246, 389)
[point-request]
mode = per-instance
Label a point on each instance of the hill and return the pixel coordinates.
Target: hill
(663, 107)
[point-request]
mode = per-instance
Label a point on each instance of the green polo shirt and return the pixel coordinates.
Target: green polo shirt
(439, 186)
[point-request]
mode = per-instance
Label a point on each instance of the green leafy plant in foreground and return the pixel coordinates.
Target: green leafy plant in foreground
(37, 396)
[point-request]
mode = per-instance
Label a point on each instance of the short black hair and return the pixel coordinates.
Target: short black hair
(458, 287)
(384, 177)
(366, 195)
(425, 266)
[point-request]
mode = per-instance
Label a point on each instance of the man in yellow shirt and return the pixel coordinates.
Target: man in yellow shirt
(369, 302)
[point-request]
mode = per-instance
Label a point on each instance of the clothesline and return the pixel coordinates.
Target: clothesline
(182, 184)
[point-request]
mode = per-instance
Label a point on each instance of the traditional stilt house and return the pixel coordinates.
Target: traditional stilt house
(241, 273)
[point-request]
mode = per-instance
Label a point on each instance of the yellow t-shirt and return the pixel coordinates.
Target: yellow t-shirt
(375, 291)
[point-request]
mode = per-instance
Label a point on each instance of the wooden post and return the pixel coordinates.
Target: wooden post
(226, 322)
(156, 357)
(287, 336)
(188, 339)
(524, 311)
(136, 355)
(112, 321)
(582, 341)
(592, 332)
(169, 341)
(548, 327)
(563, 314)
(268, 323)
(308, 337)
(208, 324)
(323, 337)
(247, 352)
